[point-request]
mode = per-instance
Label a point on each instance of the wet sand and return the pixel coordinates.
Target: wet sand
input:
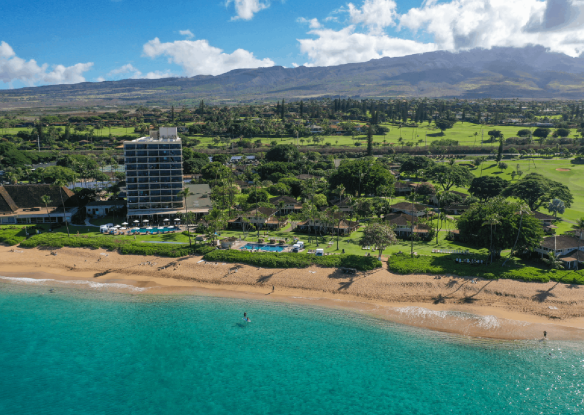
(500, 309)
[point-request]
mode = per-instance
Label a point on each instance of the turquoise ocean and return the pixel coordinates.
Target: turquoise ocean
(92, 352)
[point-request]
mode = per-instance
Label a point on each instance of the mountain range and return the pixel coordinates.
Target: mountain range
(529, 72)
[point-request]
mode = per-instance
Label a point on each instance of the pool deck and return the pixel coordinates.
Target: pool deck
(240, 244)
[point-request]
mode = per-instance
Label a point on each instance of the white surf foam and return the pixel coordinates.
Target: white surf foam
(485, 322)
(90, 284)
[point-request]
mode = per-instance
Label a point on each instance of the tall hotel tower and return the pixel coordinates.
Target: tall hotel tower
(154, 176)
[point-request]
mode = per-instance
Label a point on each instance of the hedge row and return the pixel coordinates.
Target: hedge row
(405, 264)
(12, 235)
(123, 246)
(291, 260)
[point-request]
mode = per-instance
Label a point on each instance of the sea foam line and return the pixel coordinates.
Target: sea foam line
(487, 322)
(91, 284)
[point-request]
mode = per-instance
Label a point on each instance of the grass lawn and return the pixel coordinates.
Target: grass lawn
(574, 179)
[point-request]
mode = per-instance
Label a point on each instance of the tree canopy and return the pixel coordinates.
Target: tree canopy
(473, 229)
(416, 165)
(283, 152)
(487, 187)
(373, 176)
(449, 176)
(536, 190)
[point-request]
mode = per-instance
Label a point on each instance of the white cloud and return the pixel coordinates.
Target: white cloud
(187, 33)
(158, 75)
(13, 68)
(245, 9)
(466, 24)
(312, 23)
(134, 73)
(197, 57)
(375, 14)
(332, 47)
(100, 79)
(128, 68)
(452, 25)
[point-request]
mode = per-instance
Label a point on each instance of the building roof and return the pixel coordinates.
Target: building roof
(400, 219)
(267, 212)
(543, 216)
(285, 199)
(28, 196)
(560, 242)
(573, 256)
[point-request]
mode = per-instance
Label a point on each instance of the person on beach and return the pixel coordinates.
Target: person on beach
(545, 335)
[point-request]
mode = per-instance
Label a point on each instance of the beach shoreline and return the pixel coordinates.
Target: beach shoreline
(510, 310)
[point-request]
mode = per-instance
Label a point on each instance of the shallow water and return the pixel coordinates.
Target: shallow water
(90, 352)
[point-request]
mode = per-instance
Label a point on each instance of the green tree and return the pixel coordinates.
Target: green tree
(480, 219)
(536, 190)
(487, 187)
(556, 206)
(444, 125)
(449, 176)
(500, 150)
(283, 152)
(579, 233)
(553, 261)
(370, 140)
(46, 199)
(62, 183)
(185, 193)
(379, 235)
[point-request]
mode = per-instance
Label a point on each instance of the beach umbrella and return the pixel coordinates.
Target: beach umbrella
(149, 227)
(125, 223)
(136, 221)
(166, 220)
(117, 226)
(145, 220)
(160, 228)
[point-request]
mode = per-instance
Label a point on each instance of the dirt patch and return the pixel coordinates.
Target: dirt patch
(563, 169)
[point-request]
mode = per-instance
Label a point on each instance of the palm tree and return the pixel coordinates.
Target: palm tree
(523, 209)
(61, 183)
(340, 191)
(492, 220)
(46, 199)
(579, 228)
(553, 261)
(184, 193)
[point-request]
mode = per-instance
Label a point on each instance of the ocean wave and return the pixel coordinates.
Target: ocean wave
(485, 322)
(90, 284)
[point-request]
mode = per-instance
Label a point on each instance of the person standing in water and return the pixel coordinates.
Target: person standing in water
(246, 318)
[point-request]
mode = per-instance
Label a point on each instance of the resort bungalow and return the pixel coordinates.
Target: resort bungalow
(546, 221)
(344, 207)
(23, 204)
(408, 208)
(456, 209)
(561, 245)
(262, 218)
(339, 226)
(402, 188)
(289, 205)
(402, 224)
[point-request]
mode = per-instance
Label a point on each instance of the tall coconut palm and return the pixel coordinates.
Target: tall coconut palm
(46, 199)
(579, 228)
(492, 220)
(61, 183)
(340, 191)
(184, 193)
(523, 209)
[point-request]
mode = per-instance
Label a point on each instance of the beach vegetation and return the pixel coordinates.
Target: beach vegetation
(447, 265)
(292, 260)
(536, 190)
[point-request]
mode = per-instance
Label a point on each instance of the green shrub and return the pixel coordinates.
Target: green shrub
(290, 260)
(445, 264)
(123, 246)
(12, 235)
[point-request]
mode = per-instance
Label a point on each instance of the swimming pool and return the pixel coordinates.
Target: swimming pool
(268, 248)
(155, 229)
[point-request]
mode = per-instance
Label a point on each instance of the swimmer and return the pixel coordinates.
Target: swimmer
(246, 318)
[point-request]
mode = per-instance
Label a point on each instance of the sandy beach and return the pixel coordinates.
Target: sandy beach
(500, 309)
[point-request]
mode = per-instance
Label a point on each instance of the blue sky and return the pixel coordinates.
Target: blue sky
(67, 41)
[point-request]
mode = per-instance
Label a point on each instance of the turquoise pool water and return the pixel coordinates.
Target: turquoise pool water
(75, 352)
(155, 229)
(267, 248)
